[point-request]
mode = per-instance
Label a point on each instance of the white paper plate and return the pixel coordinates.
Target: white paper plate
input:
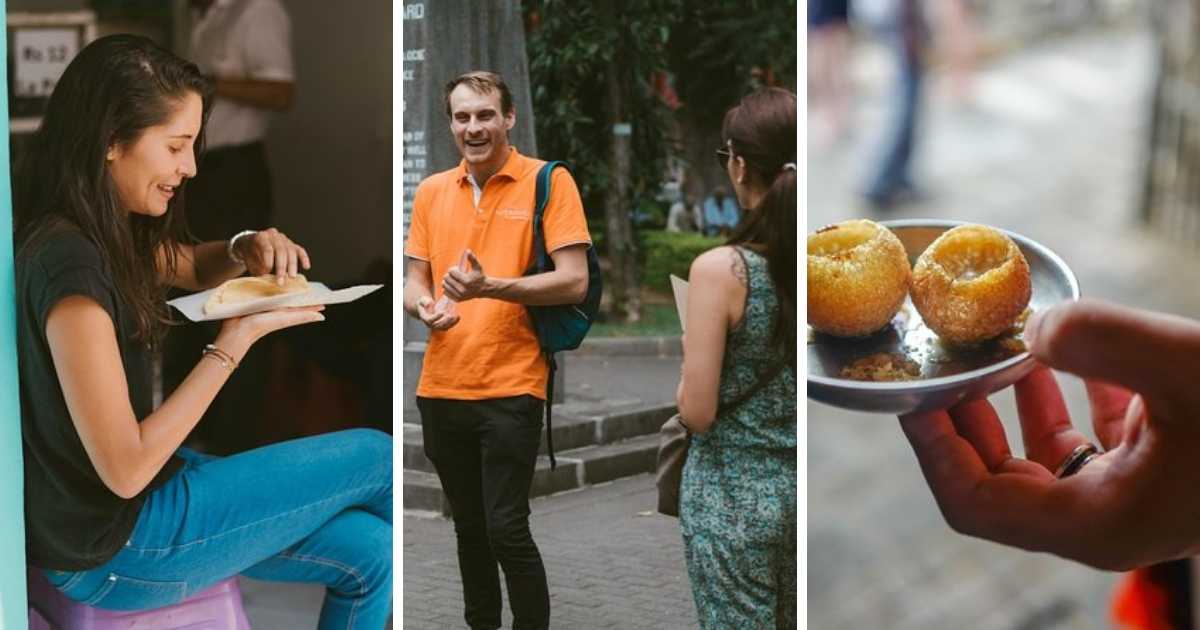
(192, 306)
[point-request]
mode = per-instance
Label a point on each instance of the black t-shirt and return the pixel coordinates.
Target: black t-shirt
(72, 520)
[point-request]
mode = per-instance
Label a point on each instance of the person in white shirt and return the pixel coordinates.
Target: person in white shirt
(682, 215)
(244, 46)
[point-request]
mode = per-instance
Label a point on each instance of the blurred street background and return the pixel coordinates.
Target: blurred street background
(1049, 133)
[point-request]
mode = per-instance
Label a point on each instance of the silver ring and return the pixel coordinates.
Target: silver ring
(1078, 458)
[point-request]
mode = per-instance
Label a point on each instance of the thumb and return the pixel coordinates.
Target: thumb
(474, 261)
(1154, 354)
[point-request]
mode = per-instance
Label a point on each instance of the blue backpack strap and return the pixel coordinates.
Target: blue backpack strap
(541, 261)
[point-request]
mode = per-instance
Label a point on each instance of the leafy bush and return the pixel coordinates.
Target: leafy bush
(665, 253)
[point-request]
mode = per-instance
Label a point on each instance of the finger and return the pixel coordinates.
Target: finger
(1118, 344)
(972, 500)
(266, 255)
(1046, 427)
(444, 321)
(950, 463)
(456, 274)
(453, 288)
(293, 266)
(304, 261)
(307, 318)
(1109, 406)
(1136, 417)
(287, 318)
(281, 264)
(474, 261)
(977, 422)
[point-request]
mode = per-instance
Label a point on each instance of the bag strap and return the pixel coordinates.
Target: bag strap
(771, 373)
(550, 410)
(762, 382)
(541, 260)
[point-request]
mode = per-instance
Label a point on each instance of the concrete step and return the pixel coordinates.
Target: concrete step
(605, 462)
(423, 491)
(576, 468)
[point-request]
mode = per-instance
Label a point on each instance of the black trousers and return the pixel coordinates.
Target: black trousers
(230, 193)
(485, 452)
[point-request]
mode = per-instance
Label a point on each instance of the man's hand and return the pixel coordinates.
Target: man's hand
(271, 251)
(435, 321)
(1134, 505)
(466, 284)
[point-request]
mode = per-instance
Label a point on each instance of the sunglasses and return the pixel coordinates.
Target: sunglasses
(723, 155)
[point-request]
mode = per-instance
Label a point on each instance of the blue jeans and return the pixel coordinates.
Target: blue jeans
(317, 509)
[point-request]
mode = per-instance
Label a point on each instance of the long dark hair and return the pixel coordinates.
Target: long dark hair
(761, 129)
(114, 89)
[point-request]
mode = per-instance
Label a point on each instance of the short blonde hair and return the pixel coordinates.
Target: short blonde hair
(482, 82)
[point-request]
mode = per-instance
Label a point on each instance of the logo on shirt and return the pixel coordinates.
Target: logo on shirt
(516, 214)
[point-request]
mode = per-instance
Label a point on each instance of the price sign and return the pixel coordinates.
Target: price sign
(41, 55)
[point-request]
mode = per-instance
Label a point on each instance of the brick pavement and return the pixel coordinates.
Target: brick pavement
(1051, 148)
(609, 562)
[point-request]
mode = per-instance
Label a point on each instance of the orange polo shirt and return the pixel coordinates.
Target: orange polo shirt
(492, 352)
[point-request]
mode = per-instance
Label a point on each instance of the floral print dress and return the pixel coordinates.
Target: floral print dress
(738, 494)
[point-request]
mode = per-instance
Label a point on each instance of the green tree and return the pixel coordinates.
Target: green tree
(590, 66)
(719, 51)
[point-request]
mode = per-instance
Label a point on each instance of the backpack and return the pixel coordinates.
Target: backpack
(562, 326)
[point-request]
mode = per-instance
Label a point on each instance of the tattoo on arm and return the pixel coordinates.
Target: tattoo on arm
(739, 267)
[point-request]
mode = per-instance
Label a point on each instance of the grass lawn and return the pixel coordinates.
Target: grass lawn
(657, 320)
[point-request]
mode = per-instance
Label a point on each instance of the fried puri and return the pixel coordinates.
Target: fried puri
(858, 276)
(971, 284)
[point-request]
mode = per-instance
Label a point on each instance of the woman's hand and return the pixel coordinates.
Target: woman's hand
(239, 333)
(271, 251)
(1133, 505)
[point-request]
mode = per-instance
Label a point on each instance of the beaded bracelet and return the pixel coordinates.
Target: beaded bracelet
(220, 356)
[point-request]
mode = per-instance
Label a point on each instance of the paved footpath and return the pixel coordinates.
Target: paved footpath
(1052, 149)
(611, 563)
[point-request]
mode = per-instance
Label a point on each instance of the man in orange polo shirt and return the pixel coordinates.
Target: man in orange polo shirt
(483, 382)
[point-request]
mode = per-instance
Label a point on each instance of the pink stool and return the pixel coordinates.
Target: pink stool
(216, 608)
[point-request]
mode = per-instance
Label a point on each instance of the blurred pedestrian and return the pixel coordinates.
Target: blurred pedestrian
(681, 217)
(958, 35)
(829, 64)
(904, 27)
(720, 213)
(737, 393)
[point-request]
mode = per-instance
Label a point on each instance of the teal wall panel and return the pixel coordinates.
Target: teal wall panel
(12, 504)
